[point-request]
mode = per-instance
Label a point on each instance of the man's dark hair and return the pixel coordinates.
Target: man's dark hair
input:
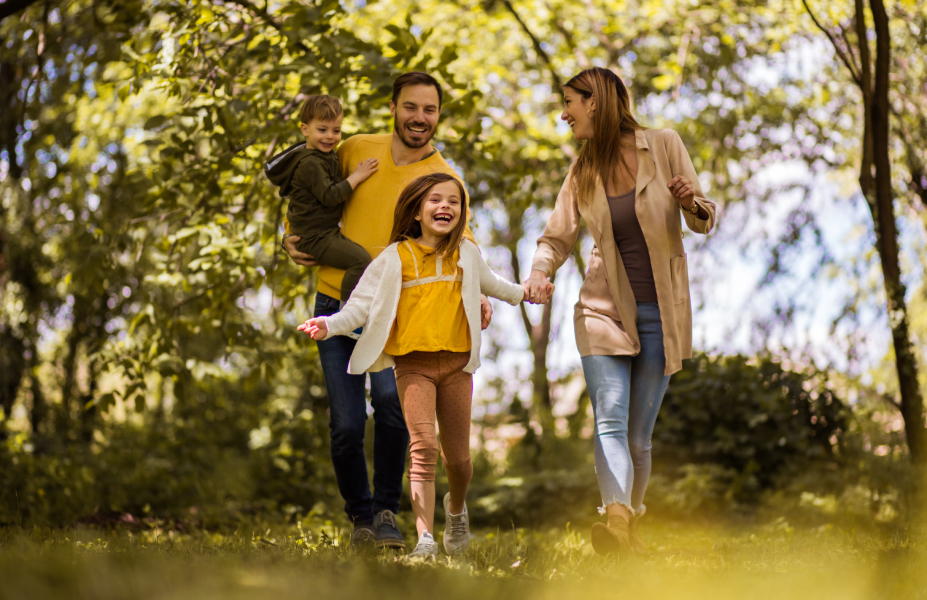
(415, 78)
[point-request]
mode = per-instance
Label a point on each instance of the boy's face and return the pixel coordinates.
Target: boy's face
(322, 135)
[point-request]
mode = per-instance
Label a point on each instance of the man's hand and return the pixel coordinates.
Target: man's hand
(300, 258)
(485, 312)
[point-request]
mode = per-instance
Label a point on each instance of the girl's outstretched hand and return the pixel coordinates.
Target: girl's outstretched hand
(316, 328)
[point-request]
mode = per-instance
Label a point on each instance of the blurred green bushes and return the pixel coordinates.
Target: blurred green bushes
(226, 450)
(733, 435)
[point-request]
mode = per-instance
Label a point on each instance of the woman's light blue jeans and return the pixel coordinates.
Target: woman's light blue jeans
(626, 393)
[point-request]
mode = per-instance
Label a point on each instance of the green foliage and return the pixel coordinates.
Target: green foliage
(224, 450)
(752, 421)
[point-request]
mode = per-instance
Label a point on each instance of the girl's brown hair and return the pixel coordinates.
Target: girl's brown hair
(405, 227)
(602, 153)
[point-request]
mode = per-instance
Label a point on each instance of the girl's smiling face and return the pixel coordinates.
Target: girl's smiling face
(439, 212)
(575, 109)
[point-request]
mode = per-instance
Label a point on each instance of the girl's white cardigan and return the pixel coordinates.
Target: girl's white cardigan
(374, 302)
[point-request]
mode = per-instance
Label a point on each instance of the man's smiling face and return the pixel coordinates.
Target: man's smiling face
(416, 114)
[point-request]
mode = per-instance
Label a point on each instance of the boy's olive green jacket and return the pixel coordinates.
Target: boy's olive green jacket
(605, 317)
(312, 181)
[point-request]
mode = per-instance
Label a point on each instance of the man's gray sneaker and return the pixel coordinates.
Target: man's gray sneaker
(388, 534)
(425, 549)
(364, 534)
(457, 530)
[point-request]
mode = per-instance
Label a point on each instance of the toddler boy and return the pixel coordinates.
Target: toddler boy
(309, 175)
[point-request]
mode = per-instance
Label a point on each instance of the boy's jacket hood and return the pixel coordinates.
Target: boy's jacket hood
(281, 168)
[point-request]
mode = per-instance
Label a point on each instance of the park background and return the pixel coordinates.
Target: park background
(164, 426)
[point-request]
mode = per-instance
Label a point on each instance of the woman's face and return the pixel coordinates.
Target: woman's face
(574, 113)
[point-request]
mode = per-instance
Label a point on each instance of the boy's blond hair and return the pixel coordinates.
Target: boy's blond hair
(320, 107)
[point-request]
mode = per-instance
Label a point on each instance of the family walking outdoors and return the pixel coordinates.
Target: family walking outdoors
(403, 287)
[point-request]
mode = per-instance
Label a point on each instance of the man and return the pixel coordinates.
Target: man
(403, 155)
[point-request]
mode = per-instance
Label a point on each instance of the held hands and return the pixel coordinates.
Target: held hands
(683, 192)
(315, 328)
(538, 289)
(365, 169)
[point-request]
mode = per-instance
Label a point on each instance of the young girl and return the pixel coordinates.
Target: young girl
(419, 303)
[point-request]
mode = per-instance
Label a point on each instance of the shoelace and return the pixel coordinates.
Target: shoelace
(388, 518)
(457, 524)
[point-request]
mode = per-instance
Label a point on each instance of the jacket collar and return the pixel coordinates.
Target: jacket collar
(646, 168)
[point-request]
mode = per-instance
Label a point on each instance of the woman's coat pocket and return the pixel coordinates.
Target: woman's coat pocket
(680, 274)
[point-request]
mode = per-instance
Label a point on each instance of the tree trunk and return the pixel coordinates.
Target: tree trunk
(880, 196)
(39, 409)
(876, 185)
(539, 339)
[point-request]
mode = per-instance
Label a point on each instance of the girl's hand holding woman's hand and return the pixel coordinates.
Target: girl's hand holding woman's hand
(538, 290)
(316, 328)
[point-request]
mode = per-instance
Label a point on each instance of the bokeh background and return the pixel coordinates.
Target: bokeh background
(149, 363)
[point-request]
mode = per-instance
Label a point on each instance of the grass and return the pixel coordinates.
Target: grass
(308, 559)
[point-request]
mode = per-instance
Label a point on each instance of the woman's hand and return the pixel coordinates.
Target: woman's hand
(485, 312)
(683, 192)
(538, 289)
(316, 328)
(300, 258)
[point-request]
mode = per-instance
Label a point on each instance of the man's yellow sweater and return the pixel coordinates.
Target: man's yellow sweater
(368, 215)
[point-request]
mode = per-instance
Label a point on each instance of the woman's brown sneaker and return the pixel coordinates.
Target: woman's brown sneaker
(612, 538)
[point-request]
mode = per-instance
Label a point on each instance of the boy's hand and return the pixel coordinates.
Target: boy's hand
(315, 328)
(365, 169)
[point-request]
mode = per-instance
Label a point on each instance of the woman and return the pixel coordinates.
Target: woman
(633, 319)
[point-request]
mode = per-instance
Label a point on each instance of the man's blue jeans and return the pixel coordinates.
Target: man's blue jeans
(626, 393)
(347, 403)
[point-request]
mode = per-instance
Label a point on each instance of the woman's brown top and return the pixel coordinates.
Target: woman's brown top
(632, 246)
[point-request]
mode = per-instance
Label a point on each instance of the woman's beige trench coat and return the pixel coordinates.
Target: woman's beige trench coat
(605, 316)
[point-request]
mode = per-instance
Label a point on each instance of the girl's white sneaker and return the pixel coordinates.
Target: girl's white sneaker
(426, 548)
(457, 531)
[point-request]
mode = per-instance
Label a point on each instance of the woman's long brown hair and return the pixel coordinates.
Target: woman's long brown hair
(405, 227)
(602, 153)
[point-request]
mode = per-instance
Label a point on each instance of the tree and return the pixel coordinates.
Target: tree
(872, 76)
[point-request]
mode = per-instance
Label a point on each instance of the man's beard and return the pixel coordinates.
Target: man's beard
(410, 143)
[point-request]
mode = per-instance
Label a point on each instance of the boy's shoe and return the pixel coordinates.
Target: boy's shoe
(457, 530)
(388, 534)
(425, 549)
(364, 534)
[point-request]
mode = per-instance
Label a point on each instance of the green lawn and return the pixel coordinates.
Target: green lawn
(703, 559)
